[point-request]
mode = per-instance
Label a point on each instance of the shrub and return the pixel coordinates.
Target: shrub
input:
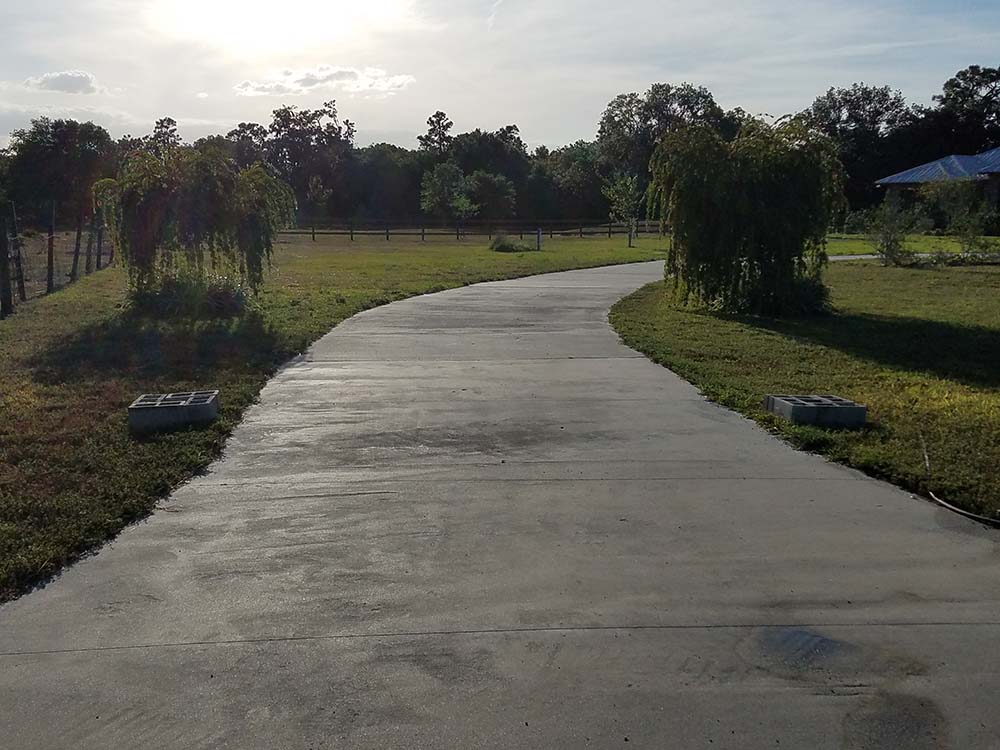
(188, 294)
(503, 244)
(961, 209)
(888, 227)
(749, 217)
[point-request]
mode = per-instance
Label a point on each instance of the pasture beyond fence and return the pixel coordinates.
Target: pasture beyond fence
(36, 261)
(521, 229)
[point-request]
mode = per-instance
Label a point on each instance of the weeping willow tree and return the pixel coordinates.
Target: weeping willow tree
(192, 210)
(749, 217)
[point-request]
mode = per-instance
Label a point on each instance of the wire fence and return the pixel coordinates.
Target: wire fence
(35, 262)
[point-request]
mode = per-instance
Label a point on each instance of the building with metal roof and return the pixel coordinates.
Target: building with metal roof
(984, 166)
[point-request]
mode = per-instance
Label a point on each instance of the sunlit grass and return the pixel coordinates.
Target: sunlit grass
(70, 363)
(921, 348)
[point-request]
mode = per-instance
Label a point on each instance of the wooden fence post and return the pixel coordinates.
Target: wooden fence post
(50, 273)
(6, 298)
(387, 234)
(75, 269)
(581, 233)
(423, 234)
(16, 248)
(609, 230)
(350, 228)
(313, 228)
(458, 233)
(88, 266)
(100, 240)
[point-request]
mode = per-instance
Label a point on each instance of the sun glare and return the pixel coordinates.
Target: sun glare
(242, 27)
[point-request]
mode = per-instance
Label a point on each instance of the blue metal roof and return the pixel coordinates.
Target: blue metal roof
(949, 168)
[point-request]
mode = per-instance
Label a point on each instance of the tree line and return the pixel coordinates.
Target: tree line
(492, 175)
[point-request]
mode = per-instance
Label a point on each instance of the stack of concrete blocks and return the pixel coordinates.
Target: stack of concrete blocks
(821, 411)
(161, 412)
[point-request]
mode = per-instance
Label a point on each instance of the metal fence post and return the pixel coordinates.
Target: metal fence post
(16, 248)
(50, 274)
(6, 298)
(538, 238)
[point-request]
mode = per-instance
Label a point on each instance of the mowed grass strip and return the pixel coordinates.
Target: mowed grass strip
(70, 363)
(925, 244)
(920, 347)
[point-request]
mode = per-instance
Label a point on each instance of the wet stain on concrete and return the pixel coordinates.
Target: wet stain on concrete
(893, 721)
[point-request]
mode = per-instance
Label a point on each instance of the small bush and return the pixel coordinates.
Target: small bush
(188, 294)
(888, 227)
(503, 244)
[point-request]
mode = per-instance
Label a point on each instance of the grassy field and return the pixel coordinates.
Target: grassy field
(921, 348)
(71, 477)
(856, 244)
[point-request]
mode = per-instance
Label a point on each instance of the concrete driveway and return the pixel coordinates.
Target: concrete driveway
(476, 520)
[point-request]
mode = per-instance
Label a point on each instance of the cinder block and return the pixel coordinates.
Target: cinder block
(160, 412)
(822, 411)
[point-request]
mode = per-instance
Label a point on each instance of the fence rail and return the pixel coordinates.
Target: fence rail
(522, 229)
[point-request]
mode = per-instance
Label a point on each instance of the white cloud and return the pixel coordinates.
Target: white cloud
(65, 82)
(491, 20)
(373, 81)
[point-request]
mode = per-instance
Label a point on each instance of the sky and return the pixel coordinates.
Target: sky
(550, 66)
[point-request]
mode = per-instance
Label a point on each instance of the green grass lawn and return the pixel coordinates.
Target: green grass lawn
(920, 347)
(71, 362)
(856, 244)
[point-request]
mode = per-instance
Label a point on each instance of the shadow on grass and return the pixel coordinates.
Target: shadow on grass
(175, 349)
(967, 354)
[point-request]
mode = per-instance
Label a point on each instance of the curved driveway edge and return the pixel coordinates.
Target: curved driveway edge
(476, 519)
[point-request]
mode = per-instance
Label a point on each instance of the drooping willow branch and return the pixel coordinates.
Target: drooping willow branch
(193, 206)
(749, 217)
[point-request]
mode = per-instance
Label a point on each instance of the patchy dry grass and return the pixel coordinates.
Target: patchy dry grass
(921, 348)
(70, 475)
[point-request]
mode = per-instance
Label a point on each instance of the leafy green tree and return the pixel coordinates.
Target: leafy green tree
(861, 121)
(632, 125)
(57, 161)
(576, 170)
(164, 137)
(493, 194)
(306, 142)
(973, 97)
(625, 201)
(748, 217)
(250, 143)
(438, 138)
(440, 189)
(499, 152)
(385, 183)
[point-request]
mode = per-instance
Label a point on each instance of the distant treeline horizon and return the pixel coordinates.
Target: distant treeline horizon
(492, 175)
